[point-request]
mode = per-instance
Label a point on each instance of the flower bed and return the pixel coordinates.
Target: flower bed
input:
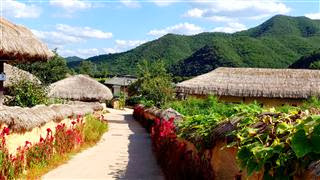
(64, 139)
(177, 157)
(249, 144)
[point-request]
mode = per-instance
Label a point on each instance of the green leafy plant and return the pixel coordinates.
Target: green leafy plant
(26, 93)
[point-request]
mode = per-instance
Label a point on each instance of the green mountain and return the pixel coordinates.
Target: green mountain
(73, 58)
(276, 43)
(311, 61)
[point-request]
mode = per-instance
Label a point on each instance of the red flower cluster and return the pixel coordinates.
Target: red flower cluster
(40, 152)
(63, 141)
(66, 139)
(172, 154)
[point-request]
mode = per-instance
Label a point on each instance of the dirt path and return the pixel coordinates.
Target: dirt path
(124, 152)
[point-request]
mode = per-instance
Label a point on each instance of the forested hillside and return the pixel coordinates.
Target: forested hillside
(311, 61)
(277, 43)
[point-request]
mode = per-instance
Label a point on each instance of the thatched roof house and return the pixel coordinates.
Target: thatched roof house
(120, 84)
(14, 73)
(18, 43)
(81, 88)
(254, 83)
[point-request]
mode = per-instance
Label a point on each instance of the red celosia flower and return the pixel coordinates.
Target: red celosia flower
(27, 143)
(41, 139)
(6, 130)
(48, 130)
(73, 122)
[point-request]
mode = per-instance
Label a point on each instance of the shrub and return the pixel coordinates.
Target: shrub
(94, 128)
(26, 93)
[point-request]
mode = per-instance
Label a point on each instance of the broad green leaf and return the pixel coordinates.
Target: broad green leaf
(300, 143)
(315, 139)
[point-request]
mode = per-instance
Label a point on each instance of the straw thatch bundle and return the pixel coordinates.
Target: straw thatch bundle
(80, 87)
(96, 106)
(81, 110)
(254, 82)
(46, 113)
(14, 73)
(18, 43)
(63, 110)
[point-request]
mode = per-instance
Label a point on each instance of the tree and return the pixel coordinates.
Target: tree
(87, 67)
(50, 71)
(315, 65)
(154, 83)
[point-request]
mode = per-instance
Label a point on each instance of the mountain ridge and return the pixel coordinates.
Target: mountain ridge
(276, 43)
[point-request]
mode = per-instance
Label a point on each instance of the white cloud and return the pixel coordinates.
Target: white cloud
(110, 50)
(313, 15)
(130, 3)
(56, 39)
(163, 2)
(182, 28)
(83, 32)
(195, 13)
(83, 53)
(120, 46)
(125, 44)
(17, 9)
(226, 10)
(230, 28)
(65, 34)
(71, 5)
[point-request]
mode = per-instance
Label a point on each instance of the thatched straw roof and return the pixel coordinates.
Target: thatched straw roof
(255, 82)
(81, 88)
(14, 73)
(18, 43)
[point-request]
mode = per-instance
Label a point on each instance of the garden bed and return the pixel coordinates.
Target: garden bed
(248, 143)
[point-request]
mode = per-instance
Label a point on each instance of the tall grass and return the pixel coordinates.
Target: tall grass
(94, 129)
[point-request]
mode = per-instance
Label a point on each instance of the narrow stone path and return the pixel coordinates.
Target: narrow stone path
(124, 152)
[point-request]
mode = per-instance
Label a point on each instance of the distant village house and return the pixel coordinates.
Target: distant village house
(270, 87)
(120, 84)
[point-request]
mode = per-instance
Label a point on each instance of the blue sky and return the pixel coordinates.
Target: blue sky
(88, 28)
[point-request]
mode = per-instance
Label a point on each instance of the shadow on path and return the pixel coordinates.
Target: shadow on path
(141, 160)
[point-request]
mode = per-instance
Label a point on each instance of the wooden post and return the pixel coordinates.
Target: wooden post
(1, 83)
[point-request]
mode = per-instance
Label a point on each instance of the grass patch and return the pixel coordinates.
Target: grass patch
(93, 131)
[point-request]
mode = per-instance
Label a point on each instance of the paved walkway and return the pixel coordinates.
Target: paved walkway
(124, 152)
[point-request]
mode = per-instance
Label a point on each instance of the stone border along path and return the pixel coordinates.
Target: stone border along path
(124, 152)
